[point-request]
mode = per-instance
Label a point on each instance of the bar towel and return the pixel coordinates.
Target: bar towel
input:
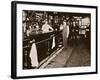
(53, 43)
(34, 56)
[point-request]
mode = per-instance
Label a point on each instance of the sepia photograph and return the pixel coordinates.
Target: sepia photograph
(53, 39)
(56, 39)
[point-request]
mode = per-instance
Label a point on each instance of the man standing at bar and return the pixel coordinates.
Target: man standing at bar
(65, 33)
(46, 27)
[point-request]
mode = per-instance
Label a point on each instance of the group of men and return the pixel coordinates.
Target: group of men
(47, 28)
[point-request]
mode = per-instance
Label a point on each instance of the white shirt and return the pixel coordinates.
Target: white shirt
(46, 28)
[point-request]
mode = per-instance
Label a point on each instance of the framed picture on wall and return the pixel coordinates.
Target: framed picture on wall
(50, 39)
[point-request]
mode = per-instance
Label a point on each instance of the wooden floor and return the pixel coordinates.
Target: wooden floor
(77, 54)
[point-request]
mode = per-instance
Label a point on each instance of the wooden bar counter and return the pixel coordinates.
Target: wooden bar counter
(43, 42)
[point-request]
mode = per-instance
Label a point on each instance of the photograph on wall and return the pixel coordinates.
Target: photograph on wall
(53, 39)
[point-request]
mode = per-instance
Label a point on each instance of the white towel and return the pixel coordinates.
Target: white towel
(33, 56)
(53, 43)
(67, 31)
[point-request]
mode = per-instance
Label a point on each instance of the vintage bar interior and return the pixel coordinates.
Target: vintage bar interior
(42, 35)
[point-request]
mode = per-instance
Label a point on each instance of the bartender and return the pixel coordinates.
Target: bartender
(46, 27)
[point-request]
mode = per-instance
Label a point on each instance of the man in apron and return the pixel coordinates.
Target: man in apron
(65, 33)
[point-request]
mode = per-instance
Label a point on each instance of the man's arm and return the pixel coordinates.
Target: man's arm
(51, 28)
